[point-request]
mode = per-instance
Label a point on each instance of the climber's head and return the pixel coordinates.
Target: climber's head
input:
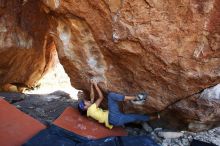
(83, 105)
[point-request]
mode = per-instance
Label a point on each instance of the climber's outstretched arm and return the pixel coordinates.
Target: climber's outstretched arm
(101, 97)
(92, 96)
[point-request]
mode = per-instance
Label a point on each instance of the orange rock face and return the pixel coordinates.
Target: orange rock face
(168, 48)
(24, 50)
(171, 49)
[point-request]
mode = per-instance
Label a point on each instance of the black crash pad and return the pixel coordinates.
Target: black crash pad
(200, 143)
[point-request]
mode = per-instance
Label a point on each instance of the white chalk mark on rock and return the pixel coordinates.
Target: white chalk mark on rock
(81, 126)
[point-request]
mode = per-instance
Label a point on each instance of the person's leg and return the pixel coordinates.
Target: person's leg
(114, 110)
(115, 115)
(129, 118)
(120, 97)
(127, 98)
(113, 99)
(116, 96)
(138, 97)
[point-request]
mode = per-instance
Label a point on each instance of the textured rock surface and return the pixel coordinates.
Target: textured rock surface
(169, 48)
(196, 113)
(199, 110)
(26, 52)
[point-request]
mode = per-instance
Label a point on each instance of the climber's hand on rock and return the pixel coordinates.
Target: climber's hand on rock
(92, 81)
(95, 84)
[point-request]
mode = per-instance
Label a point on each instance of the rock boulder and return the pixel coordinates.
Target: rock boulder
(171, 49)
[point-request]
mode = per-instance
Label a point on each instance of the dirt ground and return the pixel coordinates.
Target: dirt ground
(43, 107)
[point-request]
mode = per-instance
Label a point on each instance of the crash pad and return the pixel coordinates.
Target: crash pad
(56, 136)
(16, 127)
(200, 143)
(73, 121)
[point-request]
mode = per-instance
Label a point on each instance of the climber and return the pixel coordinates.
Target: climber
(112, 116)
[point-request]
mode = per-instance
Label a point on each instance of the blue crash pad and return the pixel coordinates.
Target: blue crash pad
(200, 143)
(56, 136)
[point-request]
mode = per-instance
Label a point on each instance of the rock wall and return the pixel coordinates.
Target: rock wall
(168, 48)
(197, 112)
(171, 49)
(25, 50)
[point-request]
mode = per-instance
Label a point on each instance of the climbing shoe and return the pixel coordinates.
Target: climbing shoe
(141, 96)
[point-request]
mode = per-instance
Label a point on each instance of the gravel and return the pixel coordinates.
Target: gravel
(210, 136)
